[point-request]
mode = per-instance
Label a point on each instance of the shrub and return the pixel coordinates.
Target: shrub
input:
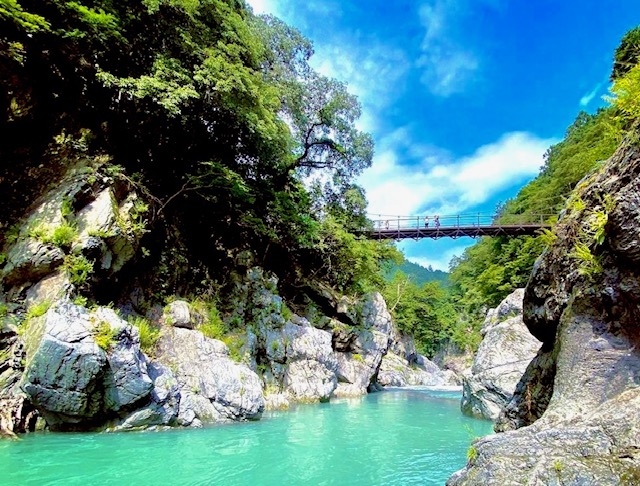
(63, 235)
(78, 268)
(104, 336)
(149, 334)
(37, 310)
(472, 454)
(214, 327)
(234, 342)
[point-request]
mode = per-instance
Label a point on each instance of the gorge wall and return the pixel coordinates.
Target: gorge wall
(67, 363)
(574, 416)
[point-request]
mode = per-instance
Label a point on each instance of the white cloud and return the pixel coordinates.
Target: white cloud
(586, 99)
(447, 67)
(442, 184)
(371, 70)
(262, 6)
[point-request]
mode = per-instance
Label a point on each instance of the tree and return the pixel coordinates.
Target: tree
(627, 54)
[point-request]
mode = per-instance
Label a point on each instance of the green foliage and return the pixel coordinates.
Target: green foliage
(235, 343)
(80, 300)
(287, 314)
(472, 454)
(358, 357)
(37, 310)
(213, 327)
(548, 237)
(104, 335)
(63, 235)
(12, 11)
(103, 25)
(626, 96)
(169, 85)
(78, 267)
(66, 207)
(4, 309)
(627, 54)
(425, 312)
(149, 334)
(352, 265)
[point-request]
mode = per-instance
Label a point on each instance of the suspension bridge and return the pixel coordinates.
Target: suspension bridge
(457, 226)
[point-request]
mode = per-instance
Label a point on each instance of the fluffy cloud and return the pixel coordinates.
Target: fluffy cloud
(442, 184)
(370, 69)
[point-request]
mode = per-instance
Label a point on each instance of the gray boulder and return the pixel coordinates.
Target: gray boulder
(396, 371)
(502, 358)
(178, 314)
(75, 384)
(301, 358)
(164, 402)
(64, 377)
(212, 386)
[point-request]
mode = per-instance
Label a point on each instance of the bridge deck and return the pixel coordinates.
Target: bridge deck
(457, 226)
(455, 232)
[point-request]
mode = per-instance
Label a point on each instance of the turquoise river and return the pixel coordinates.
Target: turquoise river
(395, 437)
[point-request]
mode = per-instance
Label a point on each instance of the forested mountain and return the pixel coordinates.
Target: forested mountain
(418, 274)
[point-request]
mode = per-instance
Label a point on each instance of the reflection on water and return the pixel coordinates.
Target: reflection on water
(395, 437)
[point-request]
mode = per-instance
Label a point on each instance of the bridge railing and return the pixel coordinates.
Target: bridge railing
(454, 221)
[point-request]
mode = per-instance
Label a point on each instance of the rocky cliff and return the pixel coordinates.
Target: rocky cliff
(574, 416)
(506, 350)
(70, 362)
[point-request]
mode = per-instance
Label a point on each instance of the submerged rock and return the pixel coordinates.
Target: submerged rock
(502, 358)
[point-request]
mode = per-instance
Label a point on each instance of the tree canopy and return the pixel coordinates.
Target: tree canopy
(215, 111)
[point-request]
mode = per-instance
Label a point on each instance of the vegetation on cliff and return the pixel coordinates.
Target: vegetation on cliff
(238, 146)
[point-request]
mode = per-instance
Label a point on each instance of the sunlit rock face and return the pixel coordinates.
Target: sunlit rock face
(506, 350)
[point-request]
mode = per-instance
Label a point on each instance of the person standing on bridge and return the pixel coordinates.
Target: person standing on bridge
(426, 221)
(436, 221)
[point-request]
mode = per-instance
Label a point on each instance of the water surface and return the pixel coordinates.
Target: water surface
(396, 437)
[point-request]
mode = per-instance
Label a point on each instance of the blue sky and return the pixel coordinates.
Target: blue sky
(462, 97)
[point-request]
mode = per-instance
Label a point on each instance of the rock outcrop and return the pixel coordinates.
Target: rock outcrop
(213, 387)
(80, 369)
(73, 377)
(360, 361)
(506, 350)
(575, 412)
(404, 366)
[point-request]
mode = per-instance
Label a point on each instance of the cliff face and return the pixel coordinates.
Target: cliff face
(574, 416)
(69, 362)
